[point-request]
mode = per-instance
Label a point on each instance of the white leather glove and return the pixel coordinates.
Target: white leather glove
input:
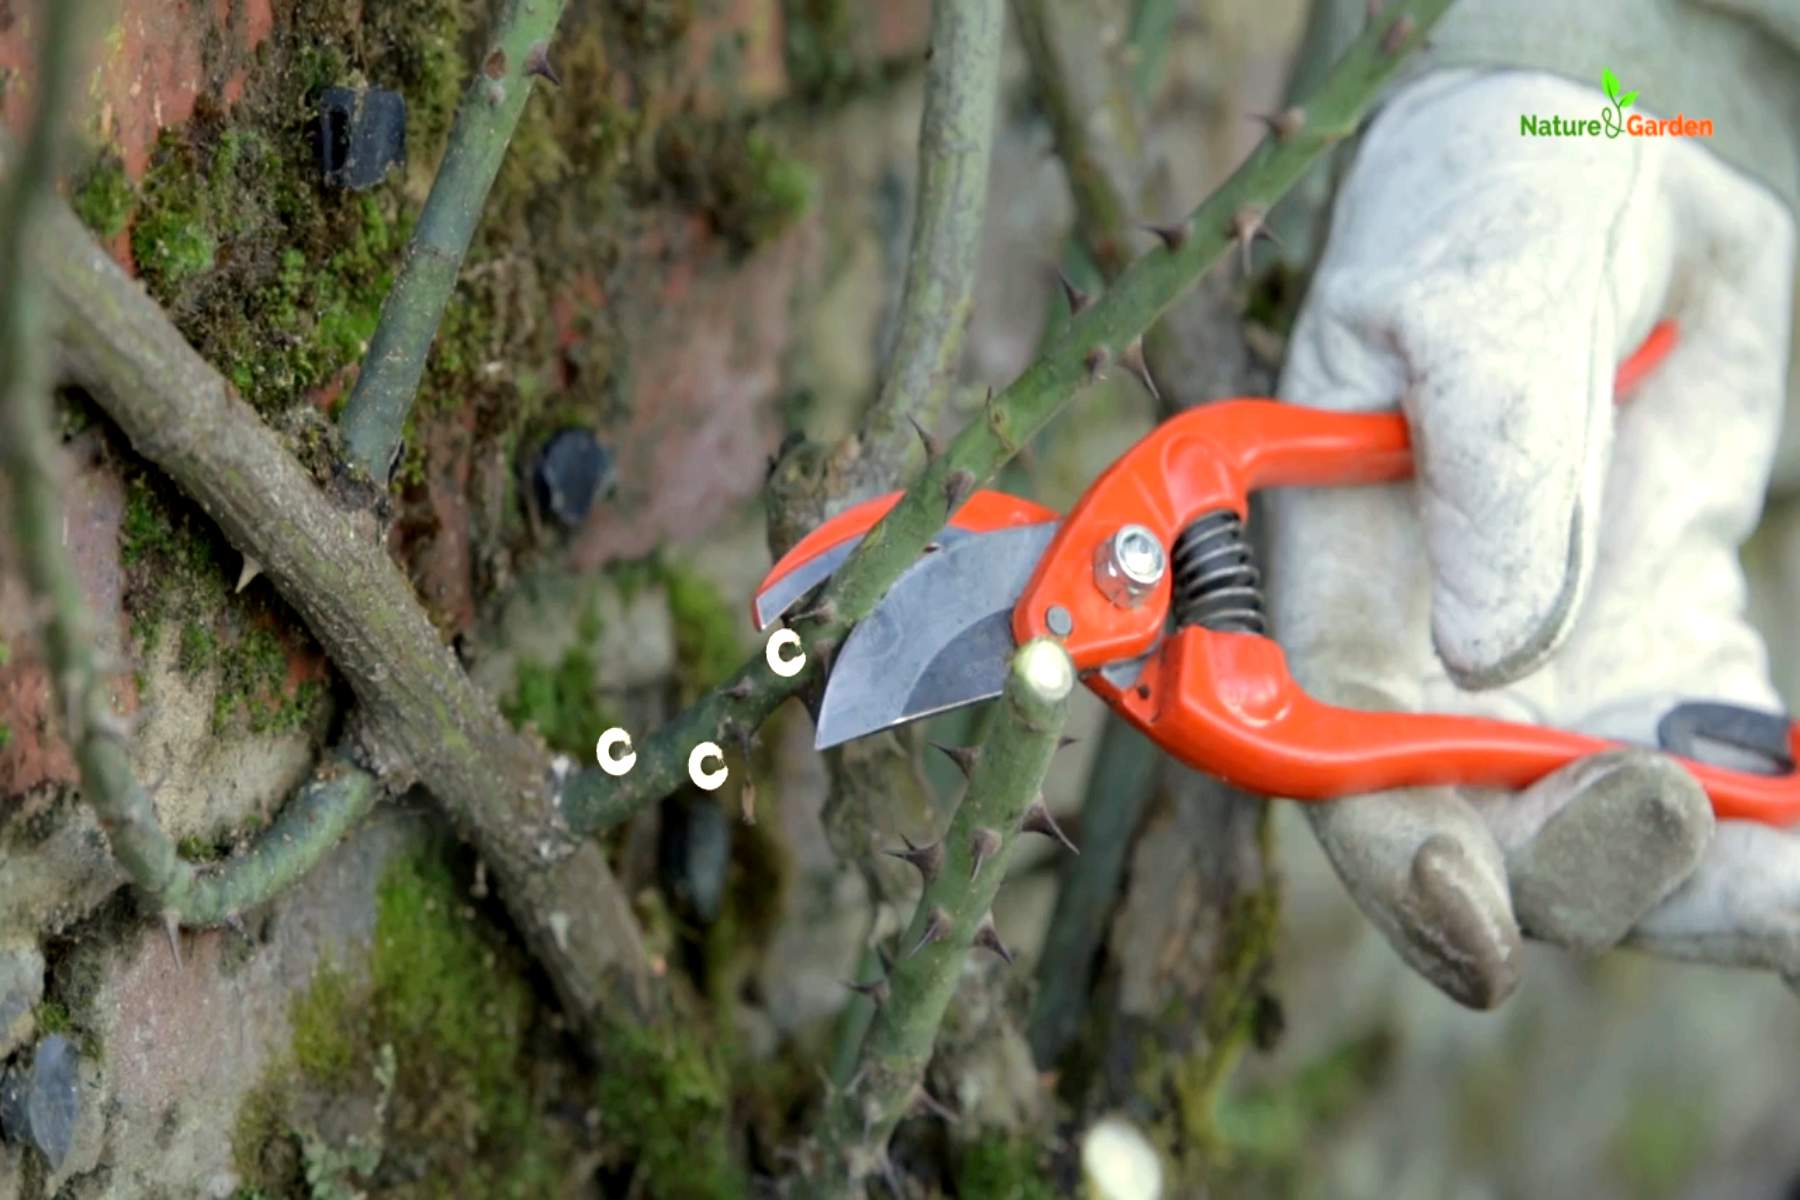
(1554, 560)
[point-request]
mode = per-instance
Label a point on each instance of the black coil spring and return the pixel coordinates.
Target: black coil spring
(1217, 584)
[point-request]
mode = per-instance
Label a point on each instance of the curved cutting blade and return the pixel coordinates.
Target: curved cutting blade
(941, 638)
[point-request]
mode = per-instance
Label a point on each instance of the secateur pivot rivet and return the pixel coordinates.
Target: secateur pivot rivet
(1128, 565)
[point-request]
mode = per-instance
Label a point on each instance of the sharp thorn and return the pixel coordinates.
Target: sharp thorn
(1397, 35)
(936, 1107)
(932, 447)
(877, 990)
(537, 62)
(824, 611)
(1246, 227)
(1065, 741)
(1133, 358)
(890, 1175)
(983, 845)
(988, 938)
(965, 757)
(929, 858)
(1284, 124)
(250, 570)
(957, 488)
(235, 923)
(1078, 299)
(1095, 362)
(1039, 820)
(172, 926)
(1174, 236)
(742, 689)
(937, 928)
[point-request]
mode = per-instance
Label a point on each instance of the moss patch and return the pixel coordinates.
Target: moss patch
(664, 1100)
(177, 585)
(102, 197)
(999, 1166)
(441, 1043)
(707, 646)
(737, 174)
(560, 700)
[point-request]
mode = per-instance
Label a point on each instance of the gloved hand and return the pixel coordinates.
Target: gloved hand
(1554, 560)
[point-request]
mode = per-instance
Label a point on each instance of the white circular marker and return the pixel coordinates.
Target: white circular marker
(786, 667)
(704, 779)
(606, 752)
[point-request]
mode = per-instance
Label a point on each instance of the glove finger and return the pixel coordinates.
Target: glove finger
(1424, 869)
(1426, 873)
(1594, 846)
(1740, 907)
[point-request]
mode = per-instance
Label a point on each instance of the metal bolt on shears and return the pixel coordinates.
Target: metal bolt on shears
(1152, 586)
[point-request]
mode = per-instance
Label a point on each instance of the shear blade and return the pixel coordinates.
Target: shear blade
(778, 597)
(941, 638)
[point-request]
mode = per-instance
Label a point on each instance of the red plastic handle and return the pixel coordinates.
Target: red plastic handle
(1225, 703)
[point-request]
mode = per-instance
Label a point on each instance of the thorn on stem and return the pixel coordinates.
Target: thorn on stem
(1174, 236)
(537, 62)
(1397, 35)
(932, 447)
(929, 858)
(746, 740)
(250, 570)
(937, 1108)
(988, 938)
(1095, 361)
(1039, 820)
(877, 990)
(1284, 124)
(965, 757)
(824, 611)
(983, 845)
(172, 926)
(957, 488)
(1078, 299)
(1134, 361)
(937, 928)
(1247, 227)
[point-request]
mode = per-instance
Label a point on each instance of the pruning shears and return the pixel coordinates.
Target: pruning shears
(1151, 585)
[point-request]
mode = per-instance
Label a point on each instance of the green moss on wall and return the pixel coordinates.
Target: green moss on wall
(664, 1097)
(102, 197)
(177, 585)
(738, 174)
(443, 1036)
(998, 1165)
(708, 646)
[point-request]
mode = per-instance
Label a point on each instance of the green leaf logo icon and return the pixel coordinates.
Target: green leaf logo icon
(1609, 83)
(1625, 100)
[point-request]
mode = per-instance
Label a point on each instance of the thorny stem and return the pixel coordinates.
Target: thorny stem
(959, 892)
(956, 133)
(173, 887)
(1104, 213)
(955, 139)
(1141, 294)
(375, 415)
